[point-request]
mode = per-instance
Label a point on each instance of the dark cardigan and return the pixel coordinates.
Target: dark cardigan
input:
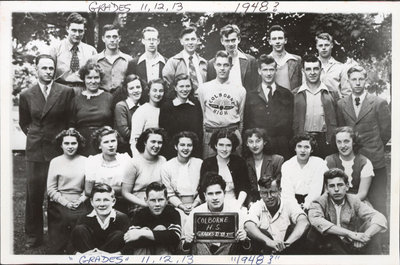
(238, 169)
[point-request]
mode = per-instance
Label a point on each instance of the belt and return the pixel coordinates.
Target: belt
(232, 127)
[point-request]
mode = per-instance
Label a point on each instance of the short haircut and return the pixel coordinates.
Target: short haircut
(223, 54)
(98, 134)
(109, 27)
(144, 136)
(303, 137)
(44, 56)
(276, 28)
(186, 134)
(188, 30)
(223, 133)
(335, 173)
(261, 133)
(129, 78)
(324, 36)
(75, 18)
(265, 59)
(181, 77)
(229, 29)
(354, 136)
(156, 186)
(357, 68)
(267, 182)
(311, 58)
(212, 178)
(149, 29)
(102, 187)
(73, 133)
(89, 66)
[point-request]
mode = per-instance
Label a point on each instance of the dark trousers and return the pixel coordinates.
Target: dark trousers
(299, 247)
(84, 239)
(323, 148)
(333, 245)
(61, 221)
(35, 189)
(378, 195)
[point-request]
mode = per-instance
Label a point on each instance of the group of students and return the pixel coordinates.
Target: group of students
(192, 135)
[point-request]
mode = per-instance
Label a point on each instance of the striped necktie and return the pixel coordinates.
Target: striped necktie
(192, 73)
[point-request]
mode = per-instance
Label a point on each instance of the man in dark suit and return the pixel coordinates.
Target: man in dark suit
(315, 108)
(43, 113)
(150, 64)
(244, 66)
(270, 107)
(369, 115)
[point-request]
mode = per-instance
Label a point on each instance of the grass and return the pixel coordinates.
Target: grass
(19, 182)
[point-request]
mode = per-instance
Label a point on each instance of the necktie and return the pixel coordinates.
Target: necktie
(357, 101)
(192, 73)
(74, 59)
(45, 91)
(269, 94)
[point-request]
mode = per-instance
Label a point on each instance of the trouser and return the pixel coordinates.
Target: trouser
(211, 249)
(299, 247)
(324, 147)
(61, 221)
(35, 189)
(378, 195)
(83, 239)
(208, 132)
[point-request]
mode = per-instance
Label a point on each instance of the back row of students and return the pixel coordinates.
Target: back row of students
(225, 183)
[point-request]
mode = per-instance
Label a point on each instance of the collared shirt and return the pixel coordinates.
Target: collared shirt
(266, 89)
(176, 102)
(130, 103)
(235, 75)
(114, 73)
(104, 225)
(88, 95)
(338, 209)
(62, 53)
(358, 108)
(307, 180)
(282, 71)
(334, 76)
(275, 225)
(47, 92)
(315, 116)
(196, 63)
(152, 65)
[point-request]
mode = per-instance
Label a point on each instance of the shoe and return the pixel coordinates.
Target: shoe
(33, 242)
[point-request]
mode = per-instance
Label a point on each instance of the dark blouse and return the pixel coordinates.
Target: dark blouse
(184, 117)
(89, 115)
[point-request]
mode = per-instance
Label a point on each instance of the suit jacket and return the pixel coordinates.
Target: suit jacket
(140, 68)
(329, 102)
(322, 214)
(276, 117)
(373, 125)
(270, 168)
(42, 120)
(248, 71)
(295, 75)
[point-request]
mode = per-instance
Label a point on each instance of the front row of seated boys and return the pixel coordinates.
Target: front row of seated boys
(340, 223)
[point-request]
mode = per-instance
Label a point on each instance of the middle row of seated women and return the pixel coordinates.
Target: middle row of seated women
(71, 175)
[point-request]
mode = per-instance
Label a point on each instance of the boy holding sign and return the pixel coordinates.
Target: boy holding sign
(213, 187)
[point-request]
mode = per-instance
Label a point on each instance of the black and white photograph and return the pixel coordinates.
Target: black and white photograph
(184, 132)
